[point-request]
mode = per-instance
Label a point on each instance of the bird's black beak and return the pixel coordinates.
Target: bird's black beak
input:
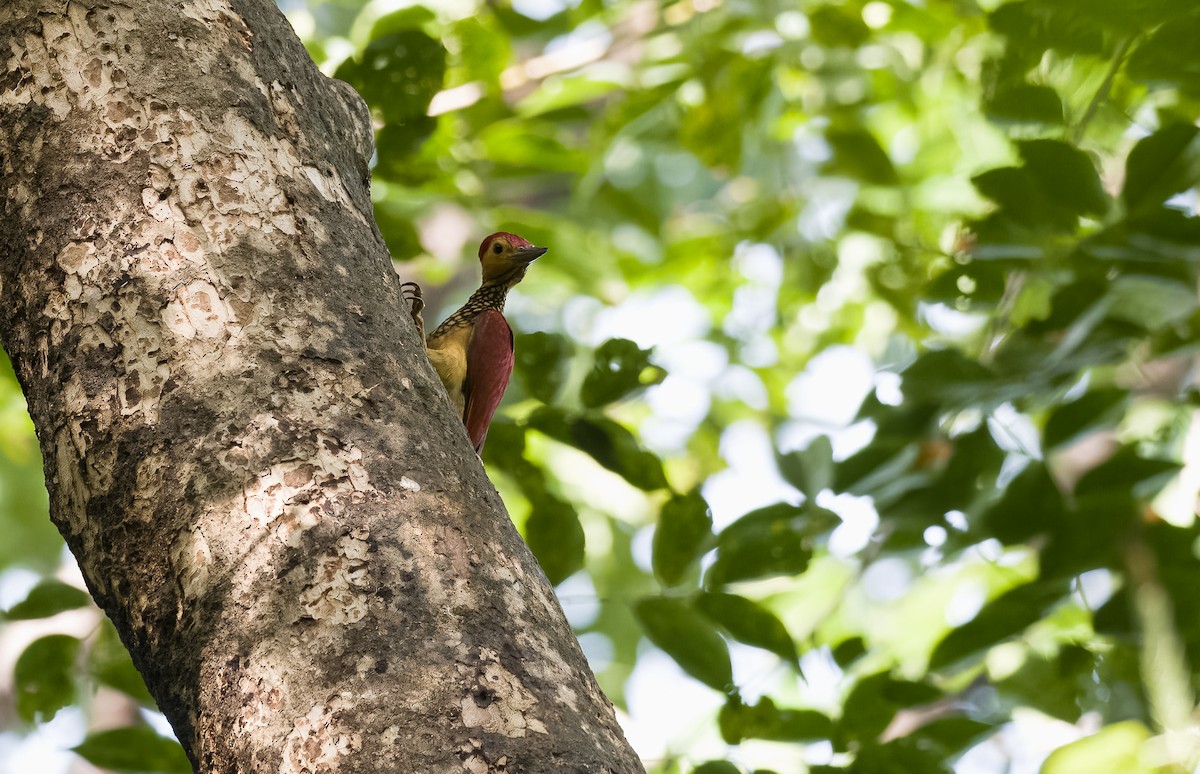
(529, 254)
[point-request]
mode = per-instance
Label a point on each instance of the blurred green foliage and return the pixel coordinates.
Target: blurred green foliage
(984, 210)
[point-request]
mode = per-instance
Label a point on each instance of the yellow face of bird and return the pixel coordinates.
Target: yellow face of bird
(505, 258)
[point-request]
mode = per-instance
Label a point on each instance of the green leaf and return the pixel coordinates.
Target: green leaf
(1034, 27)
(1164, 234)
(836, 25)
(134, 750)
(713, 129)
(684, 531)
(400, 160)
(1152, 302)
(955, 470)
(1096, 409)
(1031, 505)
(1005, 616)
(615, 448)
(947, 376)
(508, 438)
(541, 360)
(1022, 200)
(949, 737)
(44, 677)
(901, 756)
(1169, 57)
(607, 442)
(413, 17)
(1115, 749)
(1175, 558)
(48, 598)
(858, 155)
(1096, 531)
(564, 91)
(716, 767)
(749, 622)
(1156, 240)
(810, 470)
(1025, 103)
(1161, 165)
(776, 540)
(1174, 551)
(1055, 686)
(395, 220)
(526, 146)
(555, 536)
(30, 537)
(1056, 184)
(397, 74)
(618, 368)
(1066, 174)
(849, 651)
(881, 470)
(875, 700)
(687, 637)
(109, 664)
(739, 721)
(1125, 473)
(484, 50)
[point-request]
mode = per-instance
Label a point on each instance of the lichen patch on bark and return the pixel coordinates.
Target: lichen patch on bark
(212, 12)
(475, 759)
(192, 559)
(338, 591)
(293, 495)
(318, 741)
(496, 701)
(197, 309)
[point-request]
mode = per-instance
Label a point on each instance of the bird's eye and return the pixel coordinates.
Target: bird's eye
(496, 248)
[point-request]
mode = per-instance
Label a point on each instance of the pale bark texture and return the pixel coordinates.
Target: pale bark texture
(246, 451)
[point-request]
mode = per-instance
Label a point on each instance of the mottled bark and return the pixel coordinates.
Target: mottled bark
(245, 449)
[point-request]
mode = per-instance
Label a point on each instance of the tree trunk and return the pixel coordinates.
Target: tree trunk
(245, 448)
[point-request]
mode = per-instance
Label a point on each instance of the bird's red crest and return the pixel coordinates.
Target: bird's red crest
(512, 239)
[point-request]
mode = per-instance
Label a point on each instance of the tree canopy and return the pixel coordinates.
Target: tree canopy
(854, 399)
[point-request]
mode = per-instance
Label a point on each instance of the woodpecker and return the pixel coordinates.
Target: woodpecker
(472, 351)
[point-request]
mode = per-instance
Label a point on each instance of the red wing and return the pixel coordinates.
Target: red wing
(489, 364)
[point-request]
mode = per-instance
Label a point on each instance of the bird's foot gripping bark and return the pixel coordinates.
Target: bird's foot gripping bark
(411, 292)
